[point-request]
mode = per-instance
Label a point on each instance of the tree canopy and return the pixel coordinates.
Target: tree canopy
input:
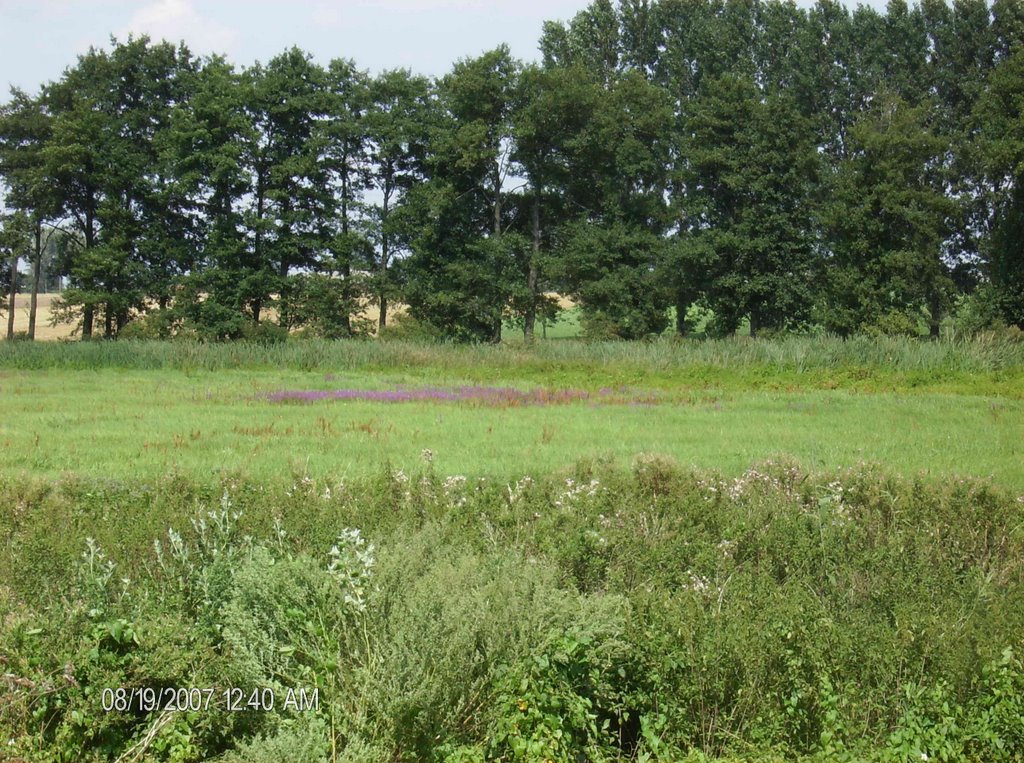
(781, 167)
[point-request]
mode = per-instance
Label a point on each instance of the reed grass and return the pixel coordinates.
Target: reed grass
(795, 354)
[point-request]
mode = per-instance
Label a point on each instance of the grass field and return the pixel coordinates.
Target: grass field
(137, 410)
(802, 549)
(139, 424)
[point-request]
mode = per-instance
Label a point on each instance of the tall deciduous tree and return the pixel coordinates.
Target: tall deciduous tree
(24, 131)
(284, 150)
(1000, 121)
(102, 161)
(397, 126)
(347, 147)
(463, 269)
(553, 107)
(15, 233)
(747, 239)
(74, 163)
(152, 82)
(613, 253)
(205, 145)
(886, 224)
(591, 40)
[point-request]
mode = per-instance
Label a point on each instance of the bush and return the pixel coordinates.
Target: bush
(160, 324)
(264, 333)
(445, 623)
(978, 312)
(893, 323)
(307, 741)
(323, 306)
(406, 328)
(655, 614)
(595, 326)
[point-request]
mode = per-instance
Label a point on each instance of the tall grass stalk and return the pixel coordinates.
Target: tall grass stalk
(791, 354)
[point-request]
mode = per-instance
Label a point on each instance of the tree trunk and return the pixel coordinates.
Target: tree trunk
(346, 266)
(496, 327)
(755, 324)
(108, 321)
(531, 276)
(283, 317)
(36, 267)
(935, 319)
(88, 311)
(682, 306)
(257, 245)
(385, 255)
(10, 302)
(497, 200)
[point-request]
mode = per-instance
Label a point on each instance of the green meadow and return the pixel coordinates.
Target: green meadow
(136, 410)
(129, 424)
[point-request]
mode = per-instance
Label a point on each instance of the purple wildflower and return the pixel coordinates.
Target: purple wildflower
(500, 397)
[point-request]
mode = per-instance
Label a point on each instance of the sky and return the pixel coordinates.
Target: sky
(40, 38)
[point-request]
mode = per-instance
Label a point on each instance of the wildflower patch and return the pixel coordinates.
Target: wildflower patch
(484, 396)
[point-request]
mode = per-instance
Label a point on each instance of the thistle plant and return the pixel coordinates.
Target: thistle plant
(96, 571)
(351, 561)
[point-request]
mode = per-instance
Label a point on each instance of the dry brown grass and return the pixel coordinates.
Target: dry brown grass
(44, 331)
(47, 332)
(563, 302)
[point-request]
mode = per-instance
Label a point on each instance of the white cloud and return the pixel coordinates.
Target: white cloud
(176, 20)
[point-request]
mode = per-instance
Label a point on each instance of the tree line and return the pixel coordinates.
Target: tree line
(778, 167)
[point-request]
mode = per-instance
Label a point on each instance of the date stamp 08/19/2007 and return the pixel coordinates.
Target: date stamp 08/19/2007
(147, 699)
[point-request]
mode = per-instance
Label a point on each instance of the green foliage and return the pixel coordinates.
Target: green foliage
(935, 726)
(612, 244)
(615, 268)
(213, 609)
(893, 323)
(398, 124)
(888, 220)
(405, 328)
(322, 305)
(752, 167)
(303, 742)
(778, 615)
(160, 324)
(778, 164)
(979, 312)
(462, 272)
(1001, 121)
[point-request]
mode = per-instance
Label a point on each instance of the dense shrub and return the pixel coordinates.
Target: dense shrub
(658, 614)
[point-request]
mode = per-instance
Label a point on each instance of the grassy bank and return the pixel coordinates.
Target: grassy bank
(651, 614)
(984, 366)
